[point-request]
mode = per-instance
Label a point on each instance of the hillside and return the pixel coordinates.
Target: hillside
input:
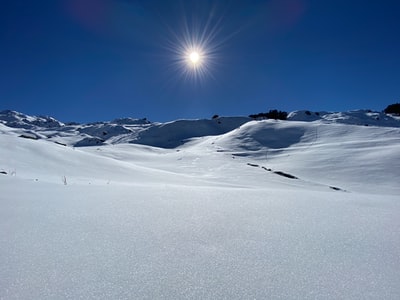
(228, 208)
(166, 135)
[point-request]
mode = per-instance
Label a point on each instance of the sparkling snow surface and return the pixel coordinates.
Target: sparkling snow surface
(210, 219)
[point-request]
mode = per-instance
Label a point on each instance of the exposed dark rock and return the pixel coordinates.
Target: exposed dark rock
(28, 135)
(335, 188)
(285, 175)
(253, 165)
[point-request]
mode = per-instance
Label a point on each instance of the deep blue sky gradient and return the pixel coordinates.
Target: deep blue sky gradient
(93, 60)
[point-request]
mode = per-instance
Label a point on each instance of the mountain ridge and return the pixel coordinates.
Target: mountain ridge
(169, 134)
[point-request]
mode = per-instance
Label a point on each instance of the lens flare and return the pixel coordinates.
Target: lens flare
(194, 45)
(192, 57)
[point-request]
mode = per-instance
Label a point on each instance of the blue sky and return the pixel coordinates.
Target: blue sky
(92, 60)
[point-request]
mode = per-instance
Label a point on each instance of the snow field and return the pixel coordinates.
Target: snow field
(210, 219)
(177, 242)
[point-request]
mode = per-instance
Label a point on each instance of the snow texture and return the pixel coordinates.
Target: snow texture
(199, 209)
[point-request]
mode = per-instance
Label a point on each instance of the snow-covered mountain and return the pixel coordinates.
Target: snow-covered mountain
(166, 135)
(226, 208)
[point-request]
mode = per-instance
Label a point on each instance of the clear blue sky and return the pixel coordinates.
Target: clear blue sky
(93, 60)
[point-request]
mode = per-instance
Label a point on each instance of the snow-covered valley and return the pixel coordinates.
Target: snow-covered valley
(229, 208)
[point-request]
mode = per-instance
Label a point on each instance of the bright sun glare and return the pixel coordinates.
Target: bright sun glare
(195, 44)
(194, 57)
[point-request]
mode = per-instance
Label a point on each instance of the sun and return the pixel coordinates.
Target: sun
(194, 58)
(194, 44)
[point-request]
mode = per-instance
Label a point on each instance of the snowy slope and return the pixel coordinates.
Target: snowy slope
(356, 117)
(233, 210)
(354, 157)
(170, 134)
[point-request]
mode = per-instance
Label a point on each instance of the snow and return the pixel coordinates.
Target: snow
(356, 117)
(209, 219)
(176, 133)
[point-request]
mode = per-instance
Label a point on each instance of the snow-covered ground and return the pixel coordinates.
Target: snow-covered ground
(227, 209)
